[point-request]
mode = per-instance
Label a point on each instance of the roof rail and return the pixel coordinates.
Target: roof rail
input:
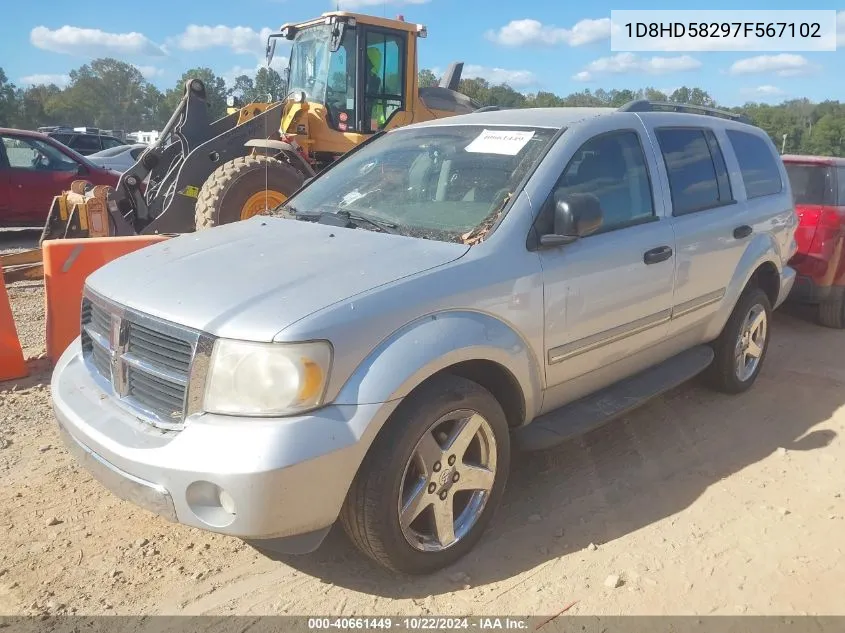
(645, 105)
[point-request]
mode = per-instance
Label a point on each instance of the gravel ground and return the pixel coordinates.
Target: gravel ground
(698, 503)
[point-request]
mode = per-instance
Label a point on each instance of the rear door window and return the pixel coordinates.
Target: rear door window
(811, 184)
(697, 174)
(84, 143)
(110, 142)
(757, 164)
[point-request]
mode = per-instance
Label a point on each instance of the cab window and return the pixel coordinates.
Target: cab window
(384, 57)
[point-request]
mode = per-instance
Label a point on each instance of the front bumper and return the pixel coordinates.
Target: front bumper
(255, 479)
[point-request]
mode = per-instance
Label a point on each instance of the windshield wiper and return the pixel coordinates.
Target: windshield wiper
(358, 218)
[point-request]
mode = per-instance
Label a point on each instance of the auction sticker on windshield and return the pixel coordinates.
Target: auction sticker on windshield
(500, 142)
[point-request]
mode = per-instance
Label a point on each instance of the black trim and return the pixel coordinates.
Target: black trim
(533, 239)
(723, 177)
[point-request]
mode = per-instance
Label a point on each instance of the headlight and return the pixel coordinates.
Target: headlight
(264, 379)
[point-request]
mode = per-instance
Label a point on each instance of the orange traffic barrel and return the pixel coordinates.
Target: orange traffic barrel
(67, 264)
(12, 364)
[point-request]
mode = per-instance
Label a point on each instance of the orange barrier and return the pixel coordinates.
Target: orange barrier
(67, 264)
(12, 364)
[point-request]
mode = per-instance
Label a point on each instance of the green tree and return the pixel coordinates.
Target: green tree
(244, 88)
(33, 106)
(8, 101)
(427, 78)
(269, 86)
(215, 92)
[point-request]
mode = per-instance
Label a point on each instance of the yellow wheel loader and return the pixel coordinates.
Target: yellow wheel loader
(350, 76)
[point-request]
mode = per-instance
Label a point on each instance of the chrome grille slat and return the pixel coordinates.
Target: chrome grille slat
(175, 355)
(164, 374)
(146, 361)
(100, 359)
(153, 384)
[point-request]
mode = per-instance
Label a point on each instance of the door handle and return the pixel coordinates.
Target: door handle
(657, 255)
(743, 231)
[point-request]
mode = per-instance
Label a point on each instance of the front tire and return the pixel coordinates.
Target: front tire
(433, 478)
(244, 187)
(741, 347)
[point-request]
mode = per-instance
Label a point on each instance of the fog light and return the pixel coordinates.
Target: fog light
(210, 503)
(226, 502)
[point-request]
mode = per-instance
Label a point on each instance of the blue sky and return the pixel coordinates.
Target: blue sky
(532, 44)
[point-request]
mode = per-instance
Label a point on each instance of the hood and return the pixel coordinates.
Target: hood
(251, 279)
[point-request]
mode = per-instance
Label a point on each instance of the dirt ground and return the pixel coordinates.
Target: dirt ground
(700, 503)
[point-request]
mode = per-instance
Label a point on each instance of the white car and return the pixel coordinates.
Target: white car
(118, 158)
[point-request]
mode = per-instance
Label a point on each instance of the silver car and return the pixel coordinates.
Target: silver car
(441, 296)
(119, 158)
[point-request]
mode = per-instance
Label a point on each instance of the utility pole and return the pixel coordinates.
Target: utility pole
(783, 145)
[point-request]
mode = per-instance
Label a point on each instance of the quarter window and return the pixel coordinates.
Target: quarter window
(698, 178)
(757, 164)
(613, 168)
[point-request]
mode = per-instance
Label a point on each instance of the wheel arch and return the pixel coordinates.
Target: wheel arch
(474, 345)
(759, 265)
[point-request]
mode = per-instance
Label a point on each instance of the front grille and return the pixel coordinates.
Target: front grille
(147, 362)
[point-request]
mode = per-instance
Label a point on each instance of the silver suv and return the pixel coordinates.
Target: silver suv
(442, 295)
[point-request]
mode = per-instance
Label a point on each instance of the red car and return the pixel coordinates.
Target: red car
(35, 168)
(818, 187)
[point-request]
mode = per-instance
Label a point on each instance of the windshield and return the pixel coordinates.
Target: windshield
(439, 182)
(811, 184)
(324, 76)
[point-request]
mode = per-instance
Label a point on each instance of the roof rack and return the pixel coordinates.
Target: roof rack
(645, 105)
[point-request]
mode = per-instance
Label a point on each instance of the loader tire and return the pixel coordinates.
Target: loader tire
(244, 187)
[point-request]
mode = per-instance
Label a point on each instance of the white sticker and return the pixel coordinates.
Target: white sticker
(500, 142)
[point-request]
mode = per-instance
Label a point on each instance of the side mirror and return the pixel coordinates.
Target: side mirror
(271, 46)
(576, 215)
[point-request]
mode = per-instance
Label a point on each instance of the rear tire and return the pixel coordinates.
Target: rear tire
(832, 311)
(399, 504)
(243, 187)
(741, 347)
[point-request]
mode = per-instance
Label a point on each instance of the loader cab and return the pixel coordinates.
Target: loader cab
(356, 67)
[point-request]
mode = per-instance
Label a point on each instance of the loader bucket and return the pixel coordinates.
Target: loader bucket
(85, 211)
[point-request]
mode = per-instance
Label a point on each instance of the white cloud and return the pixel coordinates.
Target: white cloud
(240, 39)
(73, 40)
(840, 28)
(355, 4)
(233, 73)
(783, 65)
(36, 80)
(150, 71)
(514, 78)
(631, 63)
(768, 90)
(533, 32)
